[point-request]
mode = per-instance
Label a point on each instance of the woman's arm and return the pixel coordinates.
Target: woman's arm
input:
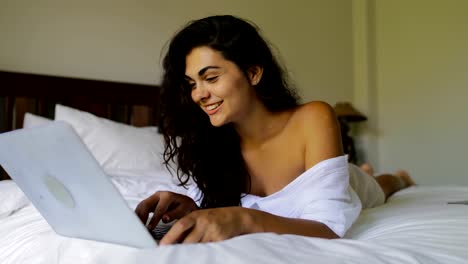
(321, 133)
(259, 221)
(218, 224)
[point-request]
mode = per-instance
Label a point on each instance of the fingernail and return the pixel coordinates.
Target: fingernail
(166, 218)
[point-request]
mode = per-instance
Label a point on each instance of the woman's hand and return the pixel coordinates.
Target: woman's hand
(209, 225)
(167, 206)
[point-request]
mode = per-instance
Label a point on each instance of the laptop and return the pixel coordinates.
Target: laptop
(59, 175)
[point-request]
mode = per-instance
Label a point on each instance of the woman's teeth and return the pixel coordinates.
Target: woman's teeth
(213, 106)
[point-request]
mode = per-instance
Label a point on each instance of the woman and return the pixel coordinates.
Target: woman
(260, 161)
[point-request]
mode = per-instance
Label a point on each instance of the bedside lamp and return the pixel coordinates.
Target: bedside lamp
(346, 113)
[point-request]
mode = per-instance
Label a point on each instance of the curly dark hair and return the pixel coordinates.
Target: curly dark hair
(212, 155)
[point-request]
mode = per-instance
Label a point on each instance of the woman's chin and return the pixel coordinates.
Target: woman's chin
(217, 122)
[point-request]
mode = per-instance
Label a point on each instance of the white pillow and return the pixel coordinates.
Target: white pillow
(12, 198)
(31, 120)
(120, 149)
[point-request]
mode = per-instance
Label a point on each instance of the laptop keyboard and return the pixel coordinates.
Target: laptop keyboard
(160, 230)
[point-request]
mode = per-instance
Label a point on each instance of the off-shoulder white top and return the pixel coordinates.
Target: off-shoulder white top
(322, 193)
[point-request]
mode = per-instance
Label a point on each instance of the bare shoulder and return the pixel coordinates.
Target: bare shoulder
(315, 109)
(319, 130)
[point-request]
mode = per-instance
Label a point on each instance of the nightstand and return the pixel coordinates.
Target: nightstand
(347, 114)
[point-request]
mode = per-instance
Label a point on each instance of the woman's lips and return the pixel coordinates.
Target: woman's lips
(212, 109)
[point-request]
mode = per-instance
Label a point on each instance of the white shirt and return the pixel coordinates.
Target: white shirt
(322, 193)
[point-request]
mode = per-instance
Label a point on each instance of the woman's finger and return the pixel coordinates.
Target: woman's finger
(179, 230)
(159, 211)
(177, 213)
(146, 206)
(195, 235)
(214, 232)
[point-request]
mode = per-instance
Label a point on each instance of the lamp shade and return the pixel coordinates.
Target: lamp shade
(346, 111)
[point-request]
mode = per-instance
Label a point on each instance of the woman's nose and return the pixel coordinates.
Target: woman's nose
(201, 93)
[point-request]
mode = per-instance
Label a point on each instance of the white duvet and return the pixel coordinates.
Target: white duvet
(415, 226)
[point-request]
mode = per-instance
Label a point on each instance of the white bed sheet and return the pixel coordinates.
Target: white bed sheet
(415, 226)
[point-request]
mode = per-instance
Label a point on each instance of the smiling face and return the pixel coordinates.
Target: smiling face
(219, 86)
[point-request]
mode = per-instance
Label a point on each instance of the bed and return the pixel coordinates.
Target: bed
(420, 224)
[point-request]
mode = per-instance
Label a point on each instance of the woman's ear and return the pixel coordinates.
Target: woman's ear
(255, 74)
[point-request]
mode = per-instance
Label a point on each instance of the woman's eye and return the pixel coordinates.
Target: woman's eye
(191, 86)
(212, 79)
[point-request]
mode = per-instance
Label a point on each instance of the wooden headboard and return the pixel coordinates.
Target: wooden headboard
(124, 102)
(134, 104)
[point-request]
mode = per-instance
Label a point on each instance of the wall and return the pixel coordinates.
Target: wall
(122, 40)
(420, 87)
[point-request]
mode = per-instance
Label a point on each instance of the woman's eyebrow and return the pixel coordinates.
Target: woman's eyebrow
(202, 71)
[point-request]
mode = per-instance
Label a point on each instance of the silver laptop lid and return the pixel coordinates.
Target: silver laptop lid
(66, 184)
